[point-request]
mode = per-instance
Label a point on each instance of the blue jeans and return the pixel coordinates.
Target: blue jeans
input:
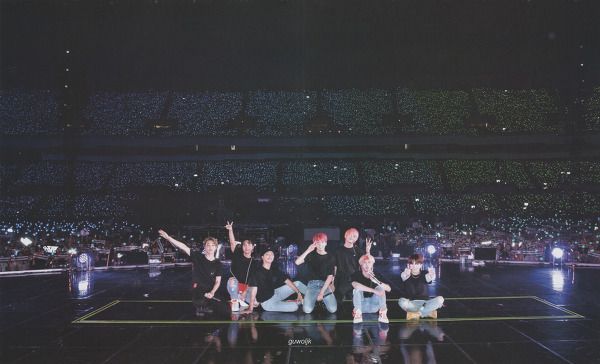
(310, 299)
(424, 306)
(368, 304)
(233, 287)
(277, 303)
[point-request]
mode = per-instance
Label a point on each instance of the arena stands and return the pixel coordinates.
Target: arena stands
(29, 112)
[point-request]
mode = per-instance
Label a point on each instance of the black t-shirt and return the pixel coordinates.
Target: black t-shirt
(266, 281)
(346, 260)
(360, 278)
(204, 271)
(241, 267)
(415, 287)
(320, 266)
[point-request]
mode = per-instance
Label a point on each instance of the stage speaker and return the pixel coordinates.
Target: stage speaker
(136, 258)
(485, 253)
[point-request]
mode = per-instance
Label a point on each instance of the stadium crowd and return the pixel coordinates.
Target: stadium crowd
(285, 113)
(515, 238)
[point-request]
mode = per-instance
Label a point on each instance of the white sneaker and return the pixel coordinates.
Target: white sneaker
(235, 306)
(357, 316)
(383, 317)
(243, 304)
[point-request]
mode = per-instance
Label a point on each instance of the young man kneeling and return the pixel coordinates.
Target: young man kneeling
(270, 287)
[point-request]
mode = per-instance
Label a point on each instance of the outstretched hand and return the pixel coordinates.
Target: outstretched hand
(163, 234)
(229, 225)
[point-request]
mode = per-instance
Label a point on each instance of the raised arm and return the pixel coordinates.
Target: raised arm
(176, 243)
(430, 276)
(405, 274)
(229, 227)
(300, 259)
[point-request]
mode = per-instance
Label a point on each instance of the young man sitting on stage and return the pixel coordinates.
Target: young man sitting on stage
(270, 287)
(415, 296)
(368, 295)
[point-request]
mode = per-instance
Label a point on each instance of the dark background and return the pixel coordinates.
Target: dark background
(230, 45)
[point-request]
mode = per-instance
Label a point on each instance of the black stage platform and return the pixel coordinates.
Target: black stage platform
(492, 314)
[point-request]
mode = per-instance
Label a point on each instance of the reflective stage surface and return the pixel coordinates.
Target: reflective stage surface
(492, 314)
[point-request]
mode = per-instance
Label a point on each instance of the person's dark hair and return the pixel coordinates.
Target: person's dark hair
(268, 249)
(415, 259)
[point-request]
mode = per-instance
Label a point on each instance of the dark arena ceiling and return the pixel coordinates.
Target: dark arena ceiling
(201, 44)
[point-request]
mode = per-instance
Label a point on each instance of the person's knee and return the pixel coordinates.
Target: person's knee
(266, 306)
(308, 308)
(331, 305)
(439, 300)
(403, 303)
(301, 286)
(293, 307)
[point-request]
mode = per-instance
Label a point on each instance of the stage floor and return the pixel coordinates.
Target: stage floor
(493, 314)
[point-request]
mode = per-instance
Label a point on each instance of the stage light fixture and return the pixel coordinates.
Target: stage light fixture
(558, 253)
(50, 249)
(26, 241)
(83, 258)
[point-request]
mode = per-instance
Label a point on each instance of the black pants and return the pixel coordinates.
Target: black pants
(343, 289)
(220, 308)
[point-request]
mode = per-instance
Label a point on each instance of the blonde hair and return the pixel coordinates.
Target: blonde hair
(367, 258)
(210, 238)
